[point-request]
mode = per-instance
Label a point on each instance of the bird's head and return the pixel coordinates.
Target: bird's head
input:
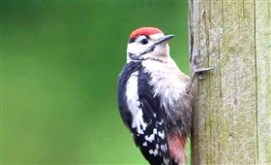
(148, 42)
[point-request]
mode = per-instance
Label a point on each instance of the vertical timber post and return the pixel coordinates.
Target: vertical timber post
(232, 113)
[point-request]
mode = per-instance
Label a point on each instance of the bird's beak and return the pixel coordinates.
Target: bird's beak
(164, 39)
(161, 40)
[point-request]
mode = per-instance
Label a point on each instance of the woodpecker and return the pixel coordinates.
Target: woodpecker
(154, 98)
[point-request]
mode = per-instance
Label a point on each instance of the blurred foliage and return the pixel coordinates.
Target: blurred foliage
(60, 64)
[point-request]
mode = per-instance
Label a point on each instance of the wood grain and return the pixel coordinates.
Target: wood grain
(232, 110)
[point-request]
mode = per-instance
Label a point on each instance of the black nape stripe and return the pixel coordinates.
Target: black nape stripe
(139, 58)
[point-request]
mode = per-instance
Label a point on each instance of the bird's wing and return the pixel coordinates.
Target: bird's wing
(143, 114)
(153, 143)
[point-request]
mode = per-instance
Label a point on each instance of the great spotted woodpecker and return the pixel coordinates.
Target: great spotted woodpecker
(154, 98)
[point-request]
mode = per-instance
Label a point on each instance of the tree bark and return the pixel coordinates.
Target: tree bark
(232, 113)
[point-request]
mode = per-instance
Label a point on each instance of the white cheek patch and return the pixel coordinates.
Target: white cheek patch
(133, 103)
(137, 48)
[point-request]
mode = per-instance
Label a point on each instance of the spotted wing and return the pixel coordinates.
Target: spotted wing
(142, 114)
(153, 143)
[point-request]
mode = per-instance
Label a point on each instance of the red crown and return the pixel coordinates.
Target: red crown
(144, 31)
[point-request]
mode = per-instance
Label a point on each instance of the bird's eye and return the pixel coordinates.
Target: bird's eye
(144, 41)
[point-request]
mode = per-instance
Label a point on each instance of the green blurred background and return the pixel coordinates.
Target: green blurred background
(60, 63)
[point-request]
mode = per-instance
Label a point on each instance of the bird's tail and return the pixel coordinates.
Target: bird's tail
(176, 144)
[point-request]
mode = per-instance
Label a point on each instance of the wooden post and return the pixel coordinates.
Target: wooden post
(232, 113)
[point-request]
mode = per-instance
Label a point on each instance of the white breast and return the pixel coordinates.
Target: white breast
(168, 81)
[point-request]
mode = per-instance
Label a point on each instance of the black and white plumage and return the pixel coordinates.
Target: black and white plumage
(153, 98)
